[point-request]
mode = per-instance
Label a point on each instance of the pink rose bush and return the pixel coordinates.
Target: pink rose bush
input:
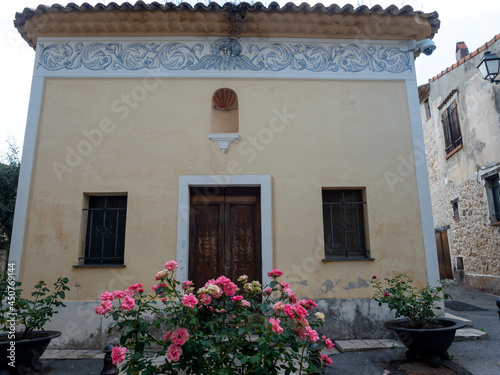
(207, 328)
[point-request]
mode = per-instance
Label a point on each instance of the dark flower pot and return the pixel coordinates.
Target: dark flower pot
(26, 352)
(428, 343)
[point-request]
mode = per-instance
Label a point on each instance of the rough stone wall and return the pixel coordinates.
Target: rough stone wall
(470, 236)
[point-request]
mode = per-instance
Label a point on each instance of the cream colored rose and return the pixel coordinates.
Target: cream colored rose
(320, 316)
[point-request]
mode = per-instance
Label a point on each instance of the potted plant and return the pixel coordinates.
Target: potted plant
(22, 320)
(419, 328)
(222, 328)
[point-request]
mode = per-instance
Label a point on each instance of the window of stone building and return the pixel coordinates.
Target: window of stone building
(105, 220)
(344, 224)
(454, 205)
(492, 184)
(427, 109)
(451, 129)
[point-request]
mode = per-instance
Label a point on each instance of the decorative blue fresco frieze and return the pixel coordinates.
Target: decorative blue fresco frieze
(223, 54)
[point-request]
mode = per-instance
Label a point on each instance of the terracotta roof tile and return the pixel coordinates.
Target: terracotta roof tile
(116, 12)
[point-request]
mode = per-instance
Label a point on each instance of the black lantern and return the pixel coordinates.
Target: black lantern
(489, 66)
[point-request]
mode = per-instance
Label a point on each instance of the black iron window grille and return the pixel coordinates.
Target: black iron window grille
(105, 238)
(451, 128)
(493, 194)
(344, 224)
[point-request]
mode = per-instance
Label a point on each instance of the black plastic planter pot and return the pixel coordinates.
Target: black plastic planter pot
(24, 354)
(431, 344)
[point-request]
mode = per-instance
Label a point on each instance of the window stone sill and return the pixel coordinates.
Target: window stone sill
(99, 266)
(454, 151)
(346, 259)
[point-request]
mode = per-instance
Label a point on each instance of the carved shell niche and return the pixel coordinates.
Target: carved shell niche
(225, 100)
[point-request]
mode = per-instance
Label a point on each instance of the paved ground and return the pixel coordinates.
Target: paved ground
(471, 357)
(479, 357)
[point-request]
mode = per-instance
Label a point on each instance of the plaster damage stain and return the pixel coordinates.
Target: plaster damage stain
(327, 286)
(303, 282)
(360, 284)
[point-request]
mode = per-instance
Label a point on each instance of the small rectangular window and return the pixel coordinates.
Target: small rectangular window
(493, 195)
(344, 224)
(105, 237)
(451, 128)
(454, 205)
(427, 109)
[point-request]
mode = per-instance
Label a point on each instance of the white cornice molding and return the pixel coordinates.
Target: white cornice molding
(222, 58)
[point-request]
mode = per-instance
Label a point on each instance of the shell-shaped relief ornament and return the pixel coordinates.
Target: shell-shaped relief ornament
(225, 100)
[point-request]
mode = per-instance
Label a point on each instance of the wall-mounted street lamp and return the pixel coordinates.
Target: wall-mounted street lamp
(489, 67)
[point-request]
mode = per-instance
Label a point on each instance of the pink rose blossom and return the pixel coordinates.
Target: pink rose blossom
(103, 308)
(154, 287)
(386, 294)
(230, 289)
(285, 285)
(118, 294)
(135, 288)
(275, 273)
(166, 336)
(325, 359)
(118, 354)
(278, 306)
(174, 353)
(187, 284)
(276, 325)
(288, 310)
(189, 300)
(128, 303)
(302, 322)
(313, 335)
(205, 299)
(106, 296)
(220, 310)
(267, 291)
(214, 290)
(245, 303)
(180, 336)
(171, 265)
(308, 304)
(222, 280)
(291, 295)
(301, 333)
(374, 277)
(328, 343)
(236, 298)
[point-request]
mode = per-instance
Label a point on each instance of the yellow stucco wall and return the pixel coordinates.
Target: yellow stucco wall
(342, 134)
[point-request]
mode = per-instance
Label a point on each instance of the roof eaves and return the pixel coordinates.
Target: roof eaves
(348, 9)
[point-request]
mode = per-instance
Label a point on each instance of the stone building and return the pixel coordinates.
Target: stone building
(233, 139)
(461, 121)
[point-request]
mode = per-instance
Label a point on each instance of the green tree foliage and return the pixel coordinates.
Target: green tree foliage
(9, 175)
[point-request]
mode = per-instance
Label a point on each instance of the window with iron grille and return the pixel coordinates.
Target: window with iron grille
(344, 224)
(451, 128)
(493, 195)
(105, 237)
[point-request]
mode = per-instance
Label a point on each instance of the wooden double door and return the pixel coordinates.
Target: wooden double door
(224, 233)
